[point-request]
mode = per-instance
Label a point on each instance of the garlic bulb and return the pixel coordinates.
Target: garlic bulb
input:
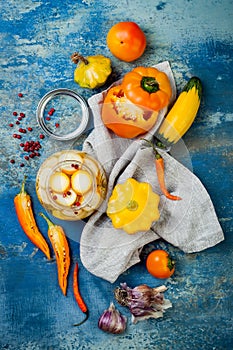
(112, 321)
(143, 301)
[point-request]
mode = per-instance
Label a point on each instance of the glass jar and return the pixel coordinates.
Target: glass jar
(71, 185)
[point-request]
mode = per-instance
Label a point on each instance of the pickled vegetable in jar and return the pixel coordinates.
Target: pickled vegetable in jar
(71, 185)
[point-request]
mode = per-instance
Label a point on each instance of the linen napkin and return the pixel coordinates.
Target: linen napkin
(190, 224)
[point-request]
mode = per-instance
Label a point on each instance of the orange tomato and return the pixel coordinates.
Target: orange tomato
(159, 264)
(126, 41)
(124, 118)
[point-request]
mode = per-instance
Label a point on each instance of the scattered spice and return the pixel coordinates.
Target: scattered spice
(51, 111)
(28, 146)
(78, 296)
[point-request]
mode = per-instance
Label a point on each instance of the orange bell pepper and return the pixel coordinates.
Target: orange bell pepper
(147, 87)
(123, 117)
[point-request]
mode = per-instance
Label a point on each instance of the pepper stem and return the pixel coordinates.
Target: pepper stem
(149, 84)
(49, 222)
(87, 315)
(23, 185)
(76, 57)
(157, 154)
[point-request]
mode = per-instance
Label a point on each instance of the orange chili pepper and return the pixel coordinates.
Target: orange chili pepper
(23, 207)
(61, 250)
(159, 165)
(78, 296)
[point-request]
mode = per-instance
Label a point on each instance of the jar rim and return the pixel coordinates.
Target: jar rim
(41, 117)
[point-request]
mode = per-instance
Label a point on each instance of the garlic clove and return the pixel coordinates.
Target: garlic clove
(112, 321)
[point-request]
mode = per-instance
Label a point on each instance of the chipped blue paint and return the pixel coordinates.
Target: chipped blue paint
(37, 39)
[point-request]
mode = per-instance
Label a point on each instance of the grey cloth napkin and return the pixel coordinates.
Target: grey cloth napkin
(190, 224)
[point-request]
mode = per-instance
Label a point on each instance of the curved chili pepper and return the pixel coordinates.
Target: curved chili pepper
(159, 165)
(23, 207)
(61, 250)
(78, 296)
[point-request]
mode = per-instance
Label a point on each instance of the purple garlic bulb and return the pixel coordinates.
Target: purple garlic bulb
(143, 301)
(112, 321)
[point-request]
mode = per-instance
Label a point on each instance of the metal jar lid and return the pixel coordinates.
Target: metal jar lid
(62, 114)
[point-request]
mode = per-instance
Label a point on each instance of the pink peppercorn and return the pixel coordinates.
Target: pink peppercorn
(12, 161)
(11, 125)
(20, 94)
(29, 128)
(57, 125)
(22, 115)
(41, 136)
(15, 114)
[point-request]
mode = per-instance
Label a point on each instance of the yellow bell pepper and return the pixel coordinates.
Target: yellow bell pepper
(133, 206)
(91, 72)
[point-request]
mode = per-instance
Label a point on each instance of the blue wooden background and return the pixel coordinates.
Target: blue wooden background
(36, 41)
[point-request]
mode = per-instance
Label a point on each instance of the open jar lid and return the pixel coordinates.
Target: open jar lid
(62, 114)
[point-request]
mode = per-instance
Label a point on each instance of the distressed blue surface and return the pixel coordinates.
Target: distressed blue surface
(37, 39)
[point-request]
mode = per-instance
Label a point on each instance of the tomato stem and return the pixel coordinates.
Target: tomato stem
(170, 263)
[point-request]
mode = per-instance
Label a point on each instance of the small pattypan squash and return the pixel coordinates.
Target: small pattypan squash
(91, 72)
(133, 206)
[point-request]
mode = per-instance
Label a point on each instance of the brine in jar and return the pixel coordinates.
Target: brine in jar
(71, 185)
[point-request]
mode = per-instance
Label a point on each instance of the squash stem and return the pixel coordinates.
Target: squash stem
(76, 57)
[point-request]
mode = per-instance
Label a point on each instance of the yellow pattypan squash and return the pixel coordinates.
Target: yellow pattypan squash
(133, 206)
(91, 72)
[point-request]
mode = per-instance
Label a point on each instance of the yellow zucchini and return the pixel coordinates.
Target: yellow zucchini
(182, 114)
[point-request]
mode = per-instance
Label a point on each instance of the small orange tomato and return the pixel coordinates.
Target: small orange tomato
(159, 264)
(126, 41)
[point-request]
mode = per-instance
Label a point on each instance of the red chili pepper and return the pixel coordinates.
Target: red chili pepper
(78, 296)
